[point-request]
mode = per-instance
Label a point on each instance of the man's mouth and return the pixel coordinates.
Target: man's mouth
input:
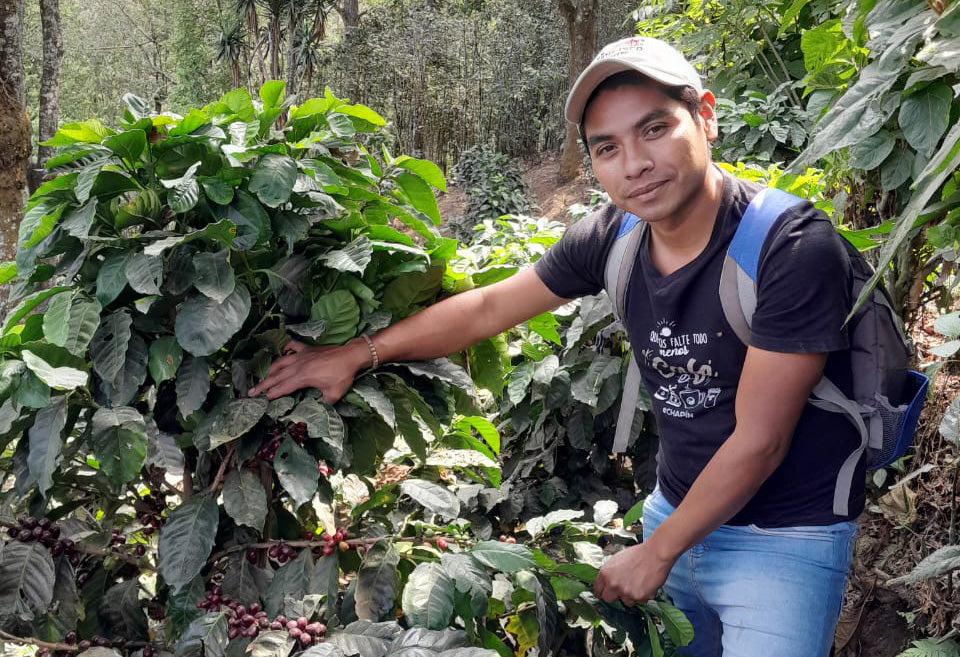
(646, 190)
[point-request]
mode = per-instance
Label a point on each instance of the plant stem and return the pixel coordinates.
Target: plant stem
(37, 642)
(952, 535)
(221, 472)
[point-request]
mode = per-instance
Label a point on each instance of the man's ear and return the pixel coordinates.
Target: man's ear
(708, 114)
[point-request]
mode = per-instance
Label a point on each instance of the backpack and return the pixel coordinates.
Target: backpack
(887, 397)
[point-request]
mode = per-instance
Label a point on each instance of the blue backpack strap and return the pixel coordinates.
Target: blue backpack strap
(738, 279)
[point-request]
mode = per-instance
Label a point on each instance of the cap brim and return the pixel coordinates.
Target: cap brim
(597, 72)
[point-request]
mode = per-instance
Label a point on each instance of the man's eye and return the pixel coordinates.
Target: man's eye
(656, 130)
(603, 150)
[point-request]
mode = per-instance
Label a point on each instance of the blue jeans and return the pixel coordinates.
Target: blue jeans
(754, 592)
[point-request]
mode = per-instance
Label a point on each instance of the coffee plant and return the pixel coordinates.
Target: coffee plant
(151, 507)
(494, 186)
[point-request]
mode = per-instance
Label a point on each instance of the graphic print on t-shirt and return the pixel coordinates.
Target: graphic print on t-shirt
(686, 379)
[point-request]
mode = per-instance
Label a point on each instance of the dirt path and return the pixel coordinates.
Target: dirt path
(552, 198)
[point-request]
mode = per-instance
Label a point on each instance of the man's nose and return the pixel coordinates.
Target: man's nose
(637, 161)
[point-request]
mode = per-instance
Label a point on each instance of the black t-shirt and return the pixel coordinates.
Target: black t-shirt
(691, 359)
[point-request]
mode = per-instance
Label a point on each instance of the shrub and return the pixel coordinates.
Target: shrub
(154, 506)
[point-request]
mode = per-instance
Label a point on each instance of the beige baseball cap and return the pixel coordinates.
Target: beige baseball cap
(652, 57)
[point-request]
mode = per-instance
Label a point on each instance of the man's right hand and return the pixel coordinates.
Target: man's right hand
(331, 370)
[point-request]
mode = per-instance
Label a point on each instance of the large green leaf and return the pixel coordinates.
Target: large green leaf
(186, 540)
(26, 306)
(165, 356)
(678, 627)
(60, 378)
(377, 401)
(131, 376)
(128, 145)
(508, 557)
(297, 471)
(240, 416)
(78, 221)
(203, 325)
(944, 560)
(38, 221)
(340, 314)
(290, 580)
(426, 169)
(222, 232)
(271, 93)
(273, 178)
(325, 579)
(46, 442)
(243, 580)
(419, 195)
(428, 597)
(442, 369)
(84, 320)
(244, 498)
(924, 116)
(376, 591)
(163, 451)
(27, 577)
(467, 574)
(205, 637)
(271, 643)
(119, 441)
(586, 386)
(859, 113)
(193, 384)
(144, 273)
(434, 497)
(184, 191)
(215, 277)
(108, 348)
(121, 613)
(56, 321)
(321, 419)
(353, 257)
(112, 277)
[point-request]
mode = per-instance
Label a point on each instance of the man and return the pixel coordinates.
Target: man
(741, 529)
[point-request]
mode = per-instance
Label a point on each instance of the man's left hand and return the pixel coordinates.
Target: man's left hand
(632, 575)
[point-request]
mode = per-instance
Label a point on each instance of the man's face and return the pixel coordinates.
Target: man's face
(648, 151)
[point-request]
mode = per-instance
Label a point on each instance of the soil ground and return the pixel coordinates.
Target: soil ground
(901, 525)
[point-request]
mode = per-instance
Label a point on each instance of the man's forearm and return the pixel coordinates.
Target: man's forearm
(725, 485)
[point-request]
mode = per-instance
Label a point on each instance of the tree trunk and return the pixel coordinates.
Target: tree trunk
(349, 11)
(14, 128)
(49, 83)
(292, 25)
(581, 19)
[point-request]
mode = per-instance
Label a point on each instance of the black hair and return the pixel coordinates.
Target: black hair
(685, 94)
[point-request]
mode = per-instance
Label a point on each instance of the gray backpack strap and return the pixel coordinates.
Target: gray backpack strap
(620, 262)
(828, 396)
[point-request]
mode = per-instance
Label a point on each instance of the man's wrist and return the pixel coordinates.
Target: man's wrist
(362, 356)
(665, 545)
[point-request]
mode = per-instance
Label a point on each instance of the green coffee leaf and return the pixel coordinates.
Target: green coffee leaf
(297, 471)
(428, 597)
(203, 326)
(377, 582)
(27, 577)
(186, 540)
(165, 356)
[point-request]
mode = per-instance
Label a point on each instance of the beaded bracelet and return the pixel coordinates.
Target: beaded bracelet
(374, 356)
